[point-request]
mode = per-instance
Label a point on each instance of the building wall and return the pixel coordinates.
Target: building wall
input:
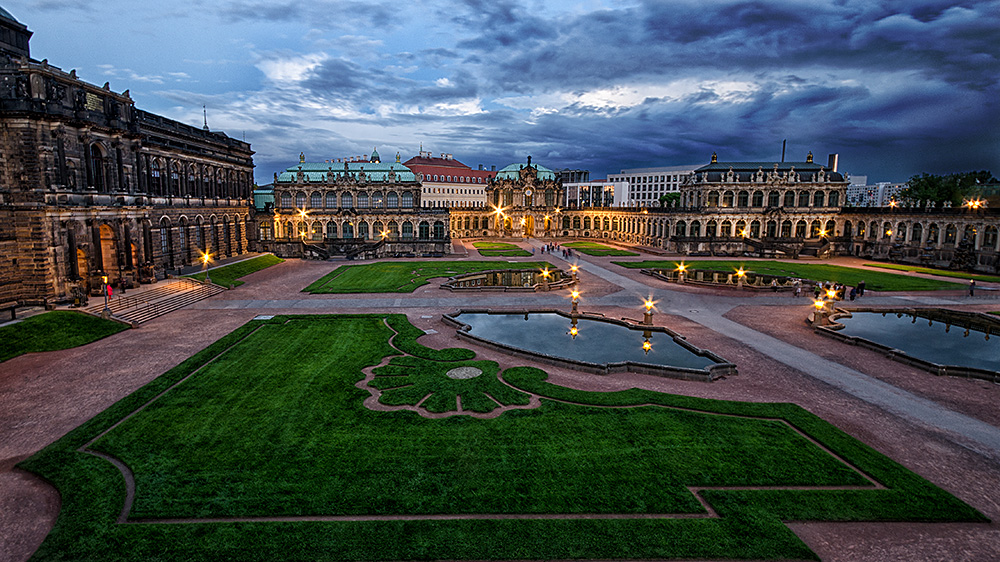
(88, 182)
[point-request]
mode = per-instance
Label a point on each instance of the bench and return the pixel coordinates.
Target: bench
(12, 307)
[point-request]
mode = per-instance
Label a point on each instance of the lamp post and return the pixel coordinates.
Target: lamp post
(740, 276)
(206, 257)
(106, 313)
(576, 297)
(574, 269)
(545, 279)
(647, 318)
(681, 268)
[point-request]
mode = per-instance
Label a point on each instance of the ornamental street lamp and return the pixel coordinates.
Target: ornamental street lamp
(740, 276)
(681, 268)
(206, 258)
(576, 297)
(647, 318)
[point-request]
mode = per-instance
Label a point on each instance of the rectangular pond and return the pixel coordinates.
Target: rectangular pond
(926, 339)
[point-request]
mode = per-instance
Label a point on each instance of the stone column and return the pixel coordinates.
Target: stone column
(127, 244)
(95, 237)
(71, 259)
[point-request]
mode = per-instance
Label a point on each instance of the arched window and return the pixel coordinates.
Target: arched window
(800, 229)
(680, 229)
(156, 174)
(831, 228)
(713, 198)
(786, 229)
(773, 198)
(862, 228)
(406, 201)
(300, 200)
(818, 199)
(950, 233)
(347, 201)
(695, 228)
(331, 229)
(803, 199)
(315, 200)
(331, 200)
(727, 199)
(814, 229)
(576, 223)
(772, 228)
(711, 229)
(755, 229)
(191, 186)
(377, 200)
(607, 223)
(758, 199)
(989, 237)
(348, 230)
(407, 230)
(726, 230)
(834, 199)
(98, 168)
(789, 199)
(317, 231)
(362, 200)
(743, 199)
(586, 223)
(917, 232)
(286, 200)
(566, 223)
(392, 200)
(438, 230)
(900, 232)
(393, 229)
(363, 230)
(424, 230)
(378, 230)
(175, 179)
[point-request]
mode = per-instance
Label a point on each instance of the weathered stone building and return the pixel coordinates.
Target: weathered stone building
(91, 186)
(349, 208)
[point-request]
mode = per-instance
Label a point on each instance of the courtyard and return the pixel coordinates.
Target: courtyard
(265, 423)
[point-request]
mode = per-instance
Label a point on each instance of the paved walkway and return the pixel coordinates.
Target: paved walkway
(980, 436)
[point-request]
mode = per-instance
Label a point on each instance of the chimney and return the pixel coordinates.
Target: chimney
(480, 167)
(493, 168)
(833, 161)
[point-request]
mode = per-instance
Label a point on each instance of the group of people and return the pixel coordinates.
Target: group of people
(549, 248)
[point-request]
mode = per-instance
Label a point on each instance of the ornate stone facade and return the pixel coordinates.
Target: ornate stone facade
(91, 186)
(523, 202)
(349, 208)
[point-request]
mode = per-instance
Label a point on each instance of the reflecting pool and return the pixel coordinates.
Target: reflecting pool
(596, 341)
(930, 340)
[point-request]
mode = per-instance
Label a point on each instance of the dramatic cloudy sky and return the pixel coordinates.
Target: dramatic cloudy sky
(895, 87)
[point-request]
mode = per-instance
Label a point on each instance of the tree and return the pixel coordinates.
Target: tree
(668, 199)
(952, 188)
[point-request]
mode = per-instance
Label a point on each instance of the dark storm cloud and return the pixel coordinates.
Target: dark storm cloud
(310, 14)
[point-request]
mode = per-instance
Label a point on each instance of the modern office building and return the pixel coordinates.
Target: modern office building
(647, 185)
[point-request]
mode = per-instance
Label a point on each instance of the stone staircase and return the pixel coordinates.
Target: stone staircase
(167, 296)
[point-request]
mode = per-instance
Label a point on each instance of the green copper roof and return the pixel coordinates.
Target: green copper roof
(513, 171)
(374, 171)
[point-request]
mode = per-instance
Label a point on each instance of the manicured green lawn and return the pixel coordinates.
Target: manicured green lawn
(268, 423)
(595, 249)
(874, 280)
(940, 272)
(500, 249)
(403, 277)
(230, 274)
(52, 331)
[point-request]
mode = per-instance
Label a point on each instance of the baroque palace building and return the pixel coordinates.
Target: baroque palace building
(353, 208)
(523, 202)
(783, 209)
(92, 187)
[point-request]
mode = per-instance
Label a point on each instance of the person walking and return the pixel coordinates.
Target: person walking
(854, 293)
(861, 289)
